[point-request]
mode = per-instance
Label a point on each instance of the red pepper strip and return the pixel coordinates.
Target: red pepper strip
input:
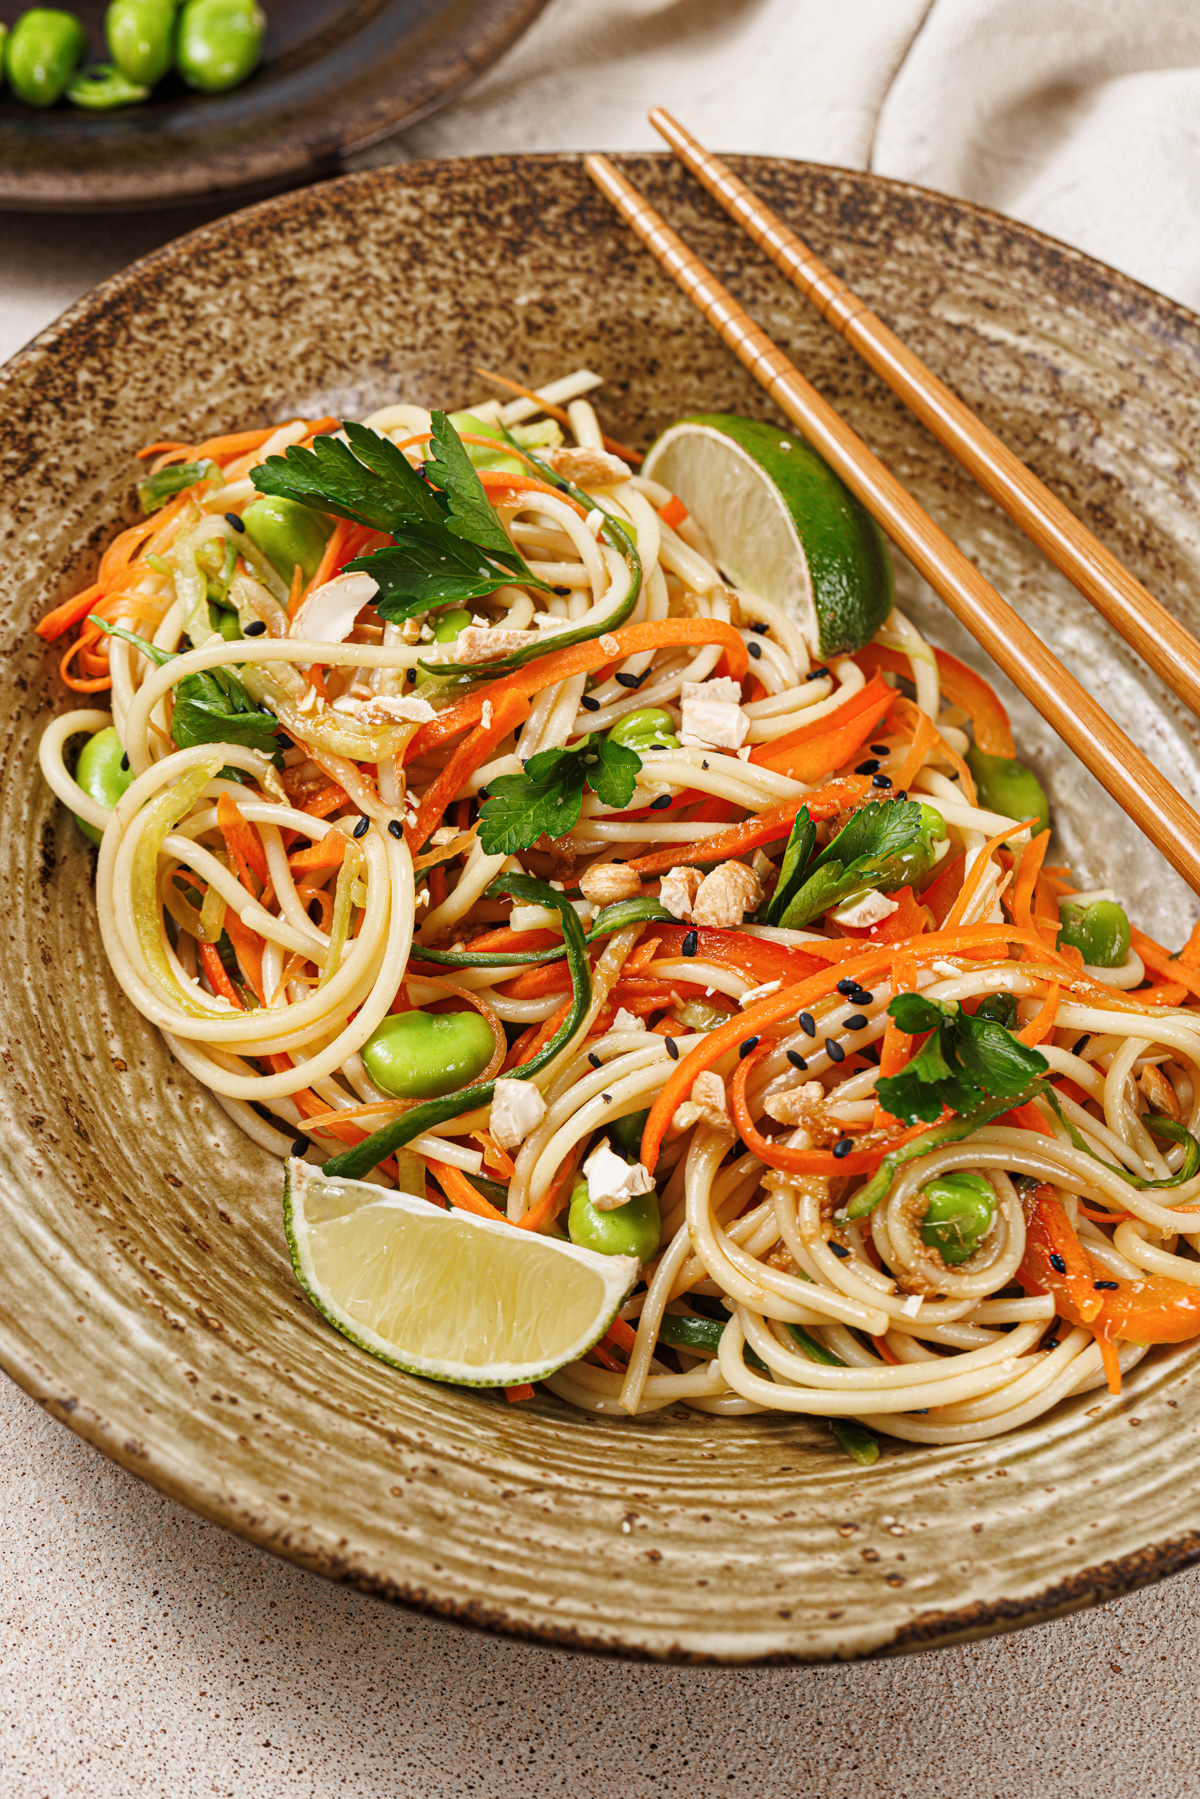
(804, 1161)
(860, 965)
(942, 891)
(510, 710)
(1050, 1234)
(768, 827)
(818, 748)
(583, 658)
(962, 687)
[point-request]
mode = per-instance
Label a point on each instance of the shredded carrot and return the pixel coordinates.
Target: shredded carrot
(582, 658)
(925, 739)
(329, 852)
(515, 1395)
(218, 980)
(243, 843)
(978, 869)
(509, 710)
(674, 513)
(461, 1193)
(1042, 1023)
(546, 1207)
(962, 687)
(885, 1351)
(68, 613)
(498, 482)
(297, 588)
(825, 744)
(332, 558)
(1171, 968)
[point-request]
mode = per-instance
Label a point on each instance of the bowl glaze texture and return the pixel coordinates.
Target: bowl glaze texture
(146, 1297)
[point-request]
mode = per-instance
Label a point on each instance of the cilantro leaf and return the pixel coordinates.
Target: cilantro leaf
(883, 846)
(546, 796)
(800, 847)
(471, 516)
(965, 1061)
(882, 828)
(426, 569)
(367, 480)
(211, 706)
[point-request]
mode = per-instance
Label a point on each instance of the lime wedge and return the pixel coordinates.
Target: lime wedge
(783, 525)
(446, 1294)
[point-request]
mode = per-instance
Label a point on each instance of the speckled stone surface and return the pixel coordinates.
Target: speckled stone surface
(144, 1652)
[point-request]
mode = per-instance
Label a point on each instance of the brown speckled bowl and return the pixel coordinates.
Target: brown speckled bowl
(145, 1293)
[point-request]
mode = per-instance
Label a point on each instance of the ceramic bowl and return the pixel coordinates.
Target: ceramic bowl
(336, 76)
(146, 1297)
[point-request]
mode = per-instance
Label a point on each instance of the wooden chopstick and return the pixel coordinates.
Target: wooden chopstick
(1131, 609)
(1120, 767)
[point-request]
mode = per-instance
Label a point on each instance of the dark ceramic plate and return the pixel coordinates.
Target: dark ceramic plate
(146, 1297)
(337, 75)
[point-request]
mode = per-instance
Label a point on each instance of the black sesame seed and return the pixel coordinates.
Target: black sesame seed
(238, 524)
(854, 1021)
(562, 592)
(672, 1049)
(594, 1059)
(1106, 1286)
(661, 803)
(300, 1146)
(607, 1098)
(589, 704)
(878, 749)
(124, 764)
(1081, 1043)
(255, 628)
(815, 674)
(903, 794)
(861, 996)
(839, 1250)
(362, 827)
(797, 1060)
(745, 1048)
(484, 794)
(690, 943)
(843, 1146)
(410, 674)
(866, 768)
(395, 827)
(808, 1024)
(881, 780)
(755, 650)
(1050, 1343)
(634, 681)
(761, 629)
(834, 1050)
(847, 986)
(1057, 1263)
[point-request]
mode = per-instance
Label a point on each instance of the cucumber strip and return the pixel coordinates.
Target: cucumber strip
(613, 918)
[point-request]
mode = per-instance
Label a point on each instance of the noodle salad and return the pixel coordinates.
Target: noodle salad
(471, 831)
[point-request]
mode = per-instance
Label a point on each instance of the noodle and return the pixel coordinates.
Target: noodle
(269, 900)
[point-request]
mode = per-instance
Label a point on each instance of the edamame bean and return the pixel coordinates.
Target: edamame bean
(100, 774)
(649, 728)
(447, 625)
(139, 36)
(42, 52)
(1005, 786)
(288, 533)
(1100, 932)
(422, 1055)
(631, 1230)
(102, 88)
(481, 458)
(958, 1215)
(626, 1135)
(219, 42)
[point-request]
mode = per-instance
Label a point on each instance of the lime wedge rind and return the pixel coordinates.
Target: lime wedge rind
(782, 523)
(437, 1279)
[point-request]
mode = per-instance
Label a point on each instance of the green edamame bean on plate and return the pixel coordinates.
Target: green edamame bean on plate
(1004, 785)
(41, 53)
(423, 1055)
(630, 1230)
(288, 533)
(100, 773)
(218, 43)
(1100, 932)
(958, 1215)
(140, 35)
(102, 87)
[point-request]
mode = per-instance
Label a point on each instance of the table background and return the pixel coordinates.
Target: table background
(142, 1650)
